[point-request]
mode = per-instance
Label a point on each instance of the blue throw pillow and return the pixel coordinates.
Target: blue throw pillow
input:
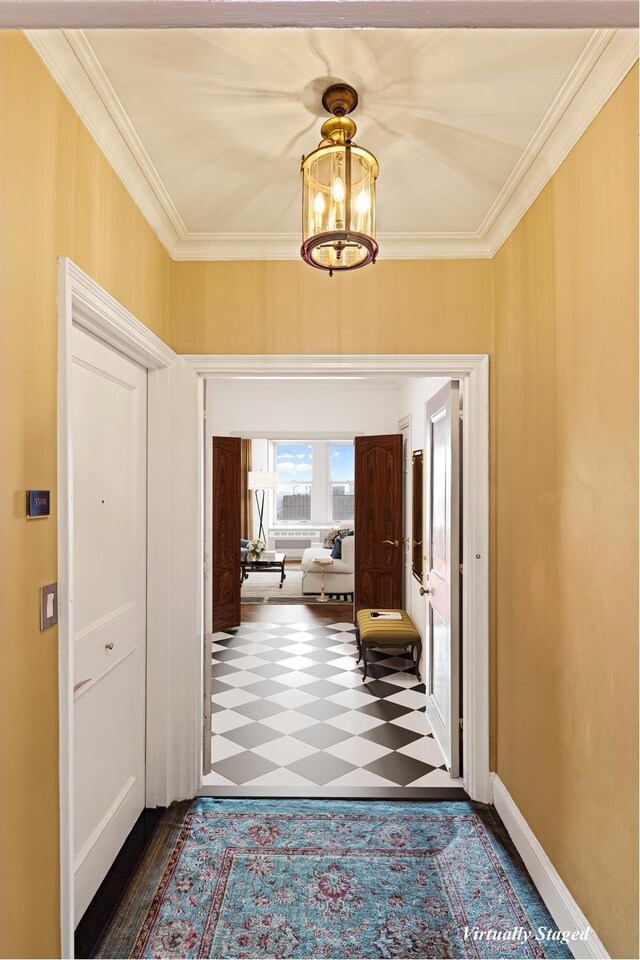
(336, 553)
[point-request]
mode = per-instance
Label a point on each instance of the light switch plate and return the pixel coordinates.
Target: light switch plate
(48, 606)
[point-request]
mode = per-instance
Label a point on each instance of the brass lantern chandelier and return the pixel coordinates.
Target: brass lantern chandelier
(339, 192)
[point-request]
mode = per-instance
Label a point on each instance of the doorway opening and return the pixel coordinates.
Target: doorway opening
(290, 713)
(297, 502)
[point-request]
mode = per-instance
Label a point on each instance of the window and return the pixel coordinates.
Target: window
(315, 481)
(294, 466)
(341, 481)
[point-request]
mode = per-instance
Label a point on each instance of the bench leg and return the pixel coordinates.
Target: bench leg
(418, 653)
(359, 645)
(364, 661)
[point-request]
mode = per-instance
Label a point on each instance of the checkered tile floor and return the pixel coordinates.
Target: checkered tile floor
(290, 710)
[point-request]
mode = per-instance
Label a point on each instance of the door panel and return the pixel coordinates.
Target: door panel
(440, 688)
(417, 531)
(109, 605)
(378, 518)
(440, 479)
(442, 537)
(407, 513)
(225, 531)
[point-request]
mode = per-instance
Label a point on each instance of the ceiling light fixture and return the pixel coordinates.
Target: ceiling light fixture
(339, 192)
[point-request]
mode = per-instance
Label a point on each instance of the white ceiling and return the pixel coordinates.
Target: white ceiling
(207, 127)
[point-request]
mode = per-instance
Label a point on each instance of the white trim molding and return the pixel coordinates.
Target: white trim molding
(333, 365)
(175, 628)
(550, 885)
(46, 14)
(286, 246)
(99, 313)
(605, 62)
(174, 623)
(607, 57)
(474, 370)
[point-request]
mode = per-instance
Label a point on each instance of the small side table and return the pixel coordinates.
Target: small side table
(323, 562)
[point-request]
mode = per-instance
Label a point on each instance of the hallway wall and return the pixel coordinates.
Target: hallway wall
(396, 306)
(564, 488)
(59, 197)
(566, 428)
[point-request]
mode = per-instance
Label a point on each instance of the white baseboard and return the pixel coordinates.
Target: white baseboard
(560, 904)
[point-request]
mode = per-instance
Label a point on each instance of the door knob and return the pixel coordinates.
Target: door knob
(424, 591)
(393, 543)
(108, 646)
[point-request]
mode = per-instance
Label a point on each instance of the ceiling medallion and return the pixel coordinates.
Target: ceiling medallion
(339, 192)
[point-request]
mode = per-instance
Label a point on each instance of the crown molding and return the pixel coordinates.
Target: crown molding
(605, 62)
(286, 246)
(586, 61)
(68, 56)
(85, 86)
(91, 65)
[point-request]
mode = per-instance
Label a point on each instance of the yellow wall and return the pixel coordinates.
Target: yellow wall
(435, 306)
(566, 428)
(59, 197)
(559, 327)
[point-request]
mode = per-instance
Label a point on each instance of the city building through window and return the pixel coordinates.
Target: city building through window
(294, 465)
(341, 473)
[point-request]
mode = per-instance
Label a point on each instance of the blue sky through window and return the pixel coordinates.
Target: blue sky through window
(293, 462)
(342, 462)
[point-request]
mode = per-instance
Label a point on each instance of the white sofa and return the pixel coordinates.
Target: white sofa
(338, 577)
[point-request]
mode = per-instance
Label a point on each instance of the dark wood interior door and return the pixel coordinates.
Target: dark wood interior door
(378, 522)
(225, 548)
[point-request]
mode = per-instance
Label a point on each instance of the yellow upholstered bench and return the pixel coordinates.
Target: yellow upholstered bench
(399, 634)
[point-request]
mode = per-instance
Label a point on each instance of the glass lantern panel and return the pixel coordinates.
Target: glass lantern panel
(362, 194)
(339, 198)
(318, 203)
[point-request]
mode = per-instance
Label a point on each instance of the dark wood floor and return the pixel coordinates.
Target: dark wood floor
(100, 912)
(297, 612)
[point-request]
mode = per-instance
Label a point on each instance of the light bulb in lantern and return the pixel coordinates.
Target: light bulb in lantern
(338, 190)
(362, 202)
(318, 204)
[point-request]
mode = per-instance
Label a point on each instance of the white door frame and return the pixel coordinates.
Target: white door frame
(474, 371)
(404, 424)
(174, 572)
(175, 526)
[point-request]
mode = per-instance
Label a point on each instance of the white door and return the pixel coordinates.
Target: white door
(109, 504)
(442, 529)
(405, 430)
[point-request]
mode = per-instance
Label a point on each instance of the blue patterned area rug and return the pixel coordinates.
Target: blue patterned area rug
(313, 878)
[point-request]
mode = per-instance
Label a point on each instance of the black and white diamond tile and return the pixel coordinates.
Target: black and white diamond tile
(290, 710)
